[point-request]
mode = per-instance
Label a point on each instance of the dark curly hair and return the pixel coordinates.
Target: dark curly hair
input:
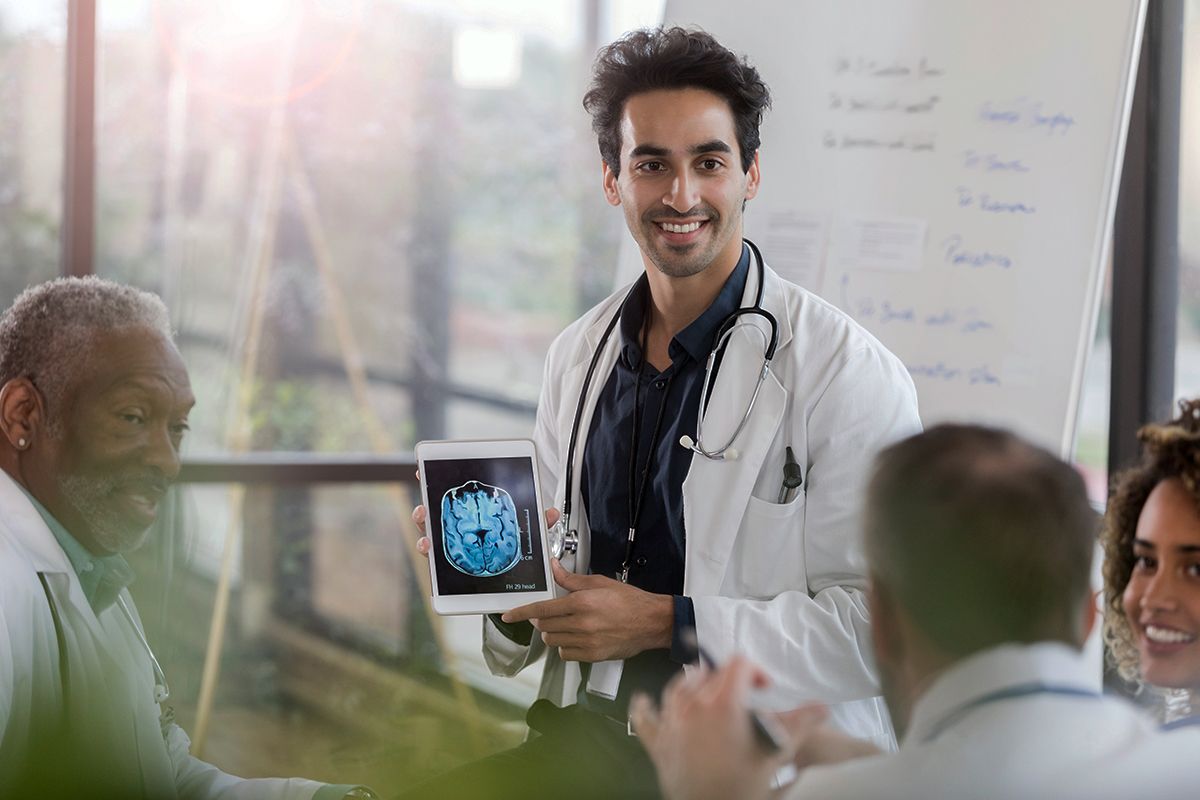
(672, 58)
(1170, 450)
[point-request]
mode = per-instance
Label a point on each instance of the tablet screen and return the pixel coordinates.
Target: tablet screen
(483, 525)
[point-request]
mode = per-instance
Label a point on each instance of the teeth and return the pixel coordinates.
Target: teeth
(672, 228)
(1166, 635)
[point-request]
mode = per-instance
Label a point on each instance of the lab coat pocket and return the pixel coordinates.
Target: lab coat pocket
(769, 556)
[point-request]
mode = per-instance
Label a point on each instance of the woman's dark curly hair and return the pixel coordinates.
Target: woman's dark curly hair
(672, 58)
(1170, 450)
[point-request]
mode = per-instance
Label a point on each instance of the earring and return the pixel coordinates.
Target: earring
(21, 443)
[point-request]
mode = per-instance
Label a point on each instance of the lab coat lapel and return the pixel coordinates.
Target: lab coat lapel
(47, 557)
(715, 493)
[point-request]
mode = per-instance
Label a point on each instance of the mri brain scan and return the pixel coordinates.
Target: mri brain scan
(479, 529)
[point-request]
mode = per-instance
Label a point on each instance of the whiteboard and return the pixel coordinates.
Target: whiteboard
(945, 171)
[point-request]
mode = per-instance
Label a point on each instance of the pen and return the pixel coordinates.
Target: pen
(791, 478)
(767, 731)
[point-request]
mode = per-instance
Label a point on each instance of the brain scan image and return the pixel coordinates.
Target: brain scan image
(480, 536)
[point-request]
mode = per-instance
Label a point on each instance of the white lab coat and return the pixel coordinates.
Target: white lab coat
(113, 744)
(1026, 747)
(781, 584)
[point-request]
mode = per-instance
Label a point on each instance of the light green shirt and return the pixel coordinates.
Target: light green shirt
(102, 577)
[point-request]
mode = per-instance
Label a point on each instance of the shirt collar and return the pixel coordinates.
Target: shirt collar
(102, 577)
(992, 671)
(697, 338)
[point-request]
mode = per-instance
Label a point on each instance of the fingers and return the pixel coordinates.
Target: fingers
(573, 583)
(801, 723)
(423, 546)
(645, 719)
(552, 517)
(737, 677)
(540, 610)
(418, 516)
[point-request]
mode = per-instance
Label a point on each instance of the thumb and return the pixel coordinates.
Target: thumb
(568, 580)
(801, 723)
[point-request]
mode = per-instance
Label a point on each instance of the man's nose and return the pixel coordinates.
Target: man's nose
(161, 452)
(682, 195)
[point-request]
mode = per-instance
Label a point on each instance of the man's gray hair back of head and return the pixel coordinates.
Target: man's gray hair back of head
(46, 332)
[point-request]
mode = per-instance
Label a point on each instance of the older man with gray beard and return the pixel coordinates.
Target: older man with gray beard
(94, 401)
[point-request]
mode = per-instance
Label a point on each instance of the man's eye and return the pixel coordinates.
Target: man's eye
(180, 428)
(651, 166)
(132, 418)
(711, 164)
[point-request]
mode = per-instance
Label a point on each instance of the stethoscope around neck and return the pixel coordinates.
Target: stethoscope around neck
(565, 538)
(161, 689)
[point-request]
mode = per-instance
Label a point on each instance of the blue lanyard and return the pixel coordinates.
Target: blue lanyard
(1182, 722)
(1011, 693)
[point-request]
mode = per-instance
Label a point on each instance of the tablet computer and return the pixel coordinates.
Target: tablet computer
(486, 525)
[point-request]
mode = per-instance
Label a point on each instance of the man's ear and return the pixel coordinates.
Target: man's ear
(752, 178)
(22, 413)
(610, 185)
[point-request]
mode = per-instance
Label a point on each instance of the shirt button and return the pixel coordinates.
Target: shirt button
(88, 566)
(660, 385)
(641, 561)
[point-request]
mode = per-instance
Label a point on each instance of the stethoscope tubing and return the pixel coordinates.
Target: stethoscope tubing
(724, 332)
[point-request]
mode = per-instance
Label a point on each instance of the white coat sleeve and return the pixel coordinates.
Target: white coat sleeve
(815, 643)
(198, 780)
(503, 656)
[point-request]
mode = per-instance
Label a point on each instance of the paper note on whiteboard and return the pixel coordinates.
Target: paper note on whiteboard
(895, 243)
(794, 245)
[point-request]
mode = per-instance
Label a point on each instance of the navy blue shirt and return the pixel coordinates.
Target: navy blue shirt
(656, 563)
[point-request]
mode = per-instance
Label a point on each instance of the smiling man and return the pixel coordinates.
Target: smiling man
(741, 534)
(94, 401)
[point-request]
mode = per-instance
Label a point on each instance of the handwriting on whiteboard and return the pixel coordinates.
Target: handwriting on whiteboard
(980, 375)
(984, 201)
(955, 252)
(868, 67)
(878, 313)
(1026, 113)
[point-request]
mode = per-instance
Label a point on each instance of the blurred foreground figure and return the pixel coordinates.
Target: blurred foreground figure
(94, 400)
(979, 548)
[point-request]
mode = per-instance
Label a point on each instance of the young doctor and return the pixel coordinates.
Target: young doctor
(710, 493)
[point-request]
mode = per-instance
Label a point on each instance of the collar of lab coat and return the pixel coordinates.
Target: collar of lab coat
(33, 541)
(993, 671)
(774, 301)
(31, 536)
(716, 492)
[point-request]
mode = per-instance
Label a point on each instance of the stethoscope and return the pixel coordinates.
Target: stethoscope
(161, 690)
(566, 538)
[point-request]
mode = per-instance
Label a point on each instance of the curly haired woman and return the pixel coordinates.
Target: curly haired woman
(1152, 566)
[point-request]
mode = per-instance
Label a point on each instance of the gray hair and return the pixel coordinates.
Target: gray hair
(45, 335)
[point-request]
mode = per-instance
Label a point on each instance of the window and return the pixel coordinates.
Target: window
(1187, 353)
(32, 96)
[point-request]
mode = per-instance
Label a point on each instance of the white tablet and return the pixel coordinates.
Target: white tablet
(485, 521)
